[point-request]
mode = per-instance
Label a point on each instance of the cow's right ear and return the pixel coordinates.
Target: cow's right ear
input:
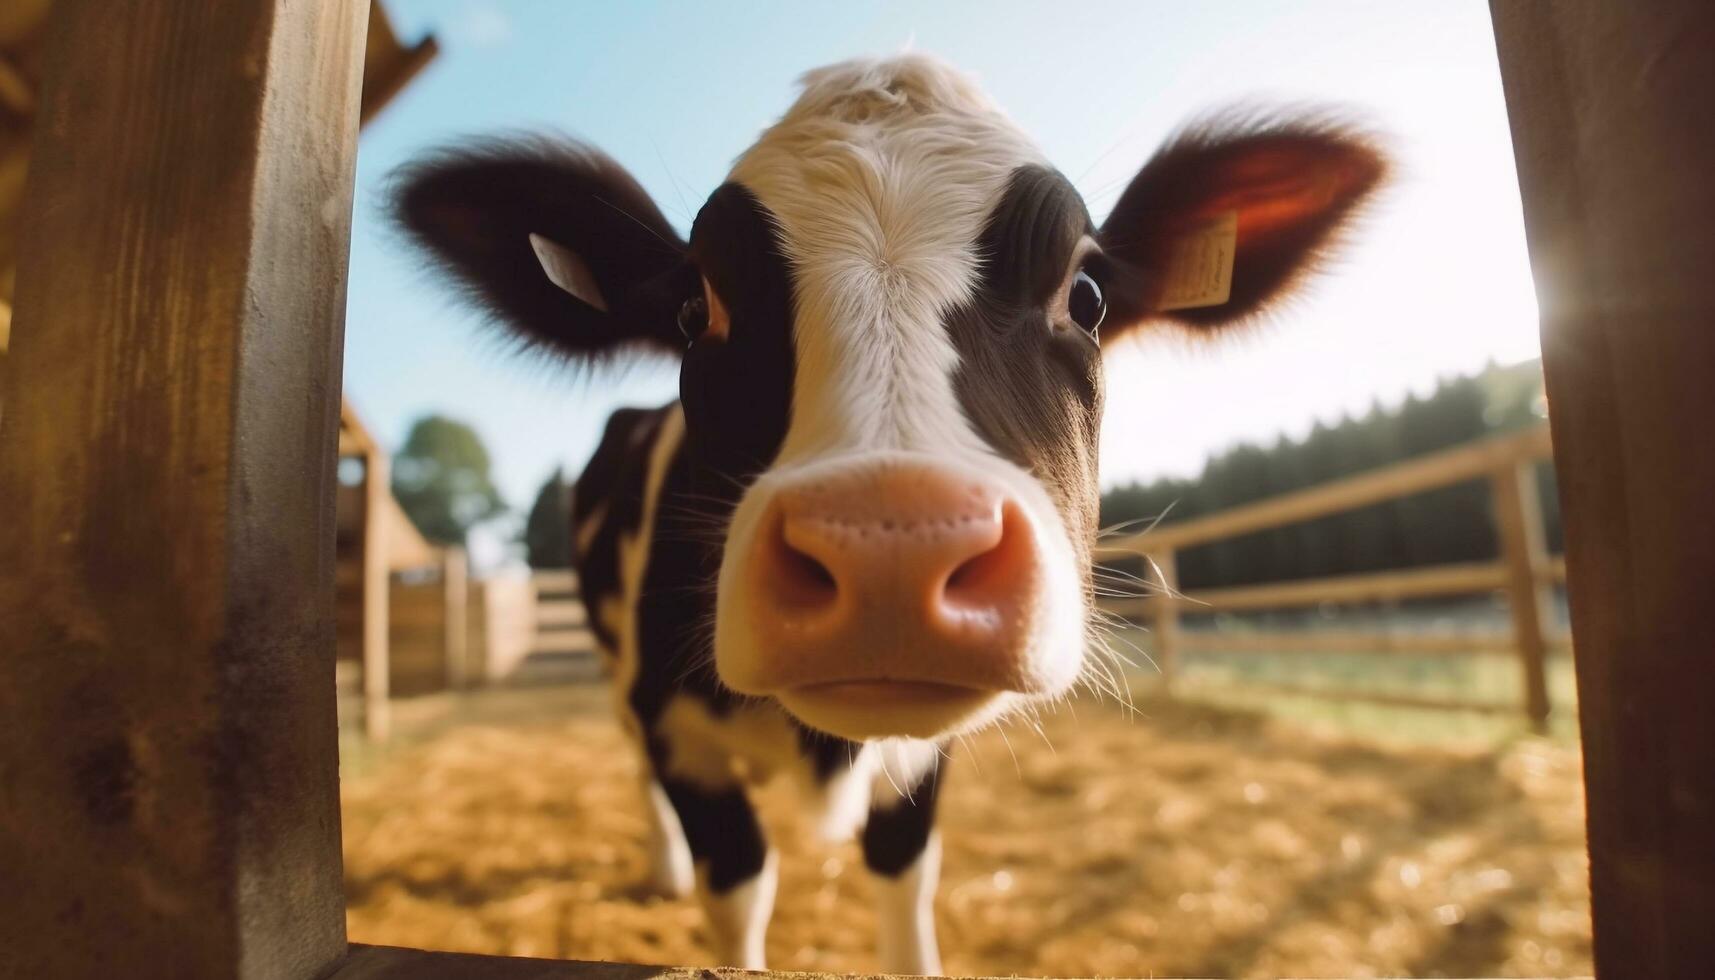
(1232, 214)
(553, 238)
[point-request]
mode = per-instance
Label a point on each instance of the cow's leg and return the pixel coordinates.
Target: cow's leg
(669, 856)
(903, 852)
(735, 870)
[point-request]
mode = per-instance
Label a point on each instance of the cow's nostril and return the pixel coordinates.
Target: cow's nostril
(808, 571)
(995, 573)
(799, 577)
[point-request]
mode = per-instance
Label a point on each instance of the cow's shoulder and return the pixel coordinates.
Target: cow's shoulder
(617, 470)
(609, 501)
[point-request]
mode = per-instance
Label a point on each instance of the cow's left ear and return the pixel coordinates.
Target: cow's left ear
(554, 239)
(1262, 197)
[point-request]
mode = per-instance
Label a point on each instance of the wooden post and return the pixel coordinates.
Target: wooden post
(1166, 619)
(1518, 523)
(455, 582)
(377, 594)
(168, 750)
(1609, 109)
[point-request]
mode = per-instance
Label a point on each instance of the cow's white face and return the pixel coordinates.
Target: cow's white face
(892, 386)
(906, 563)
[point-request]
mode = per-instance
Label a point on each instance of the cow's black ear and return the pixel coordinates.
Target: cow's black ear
(553, 238)
(1266, 195)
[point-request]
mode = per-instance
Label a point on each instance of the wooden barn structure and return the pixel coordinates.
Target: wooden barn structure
(409, 619)
(168, 760)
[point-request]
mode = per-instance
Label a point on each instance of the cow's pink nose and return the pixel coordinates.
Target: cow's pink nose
(894, 581)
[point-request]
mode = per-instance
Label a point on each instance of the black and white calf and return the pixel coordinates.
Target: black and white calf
(866, 526)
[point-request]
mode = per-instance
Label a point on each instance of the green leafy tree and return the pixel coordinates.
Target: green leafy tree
(548, 530)
(441, 479)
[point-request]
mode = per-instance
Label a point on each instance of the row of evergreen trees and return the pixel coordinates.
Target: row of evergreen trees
(1447, 525)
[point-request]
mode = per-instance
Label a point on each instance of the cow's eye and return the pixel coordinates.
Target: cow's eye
(1085, 303)
(704, 317)
(694, 317)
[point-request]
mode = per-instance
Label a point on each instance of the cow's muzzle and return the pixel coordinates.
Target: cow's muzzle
(894, 597)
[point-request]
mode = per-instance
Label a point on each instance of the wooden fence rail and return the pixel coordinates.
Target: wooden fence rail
(1523, 571)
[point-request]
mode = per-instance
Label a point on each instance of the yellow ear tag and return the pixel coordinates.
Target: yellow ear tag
(1200, 268)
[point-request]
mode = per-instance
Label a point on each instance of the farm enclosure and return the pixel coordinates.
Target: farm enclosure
(239, 735)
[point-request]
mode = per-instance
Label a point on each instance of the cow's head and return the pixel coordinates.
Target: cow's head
(891, 318)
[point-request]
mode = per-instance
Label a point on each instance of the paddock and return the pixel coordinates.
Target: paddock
(169, 417)
(1206, 841)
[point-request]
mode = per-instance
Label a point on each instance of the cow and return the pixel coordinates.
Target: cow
(865, 527)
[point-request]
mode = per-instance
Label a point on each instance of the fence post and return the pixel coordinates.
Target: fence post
(455, 581)
(1165, 615)
(377, 588)
(169, 758)
(1518, 520)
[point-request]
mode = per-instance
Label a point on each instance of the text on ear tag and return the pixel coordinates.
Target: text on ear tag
(1200, 268)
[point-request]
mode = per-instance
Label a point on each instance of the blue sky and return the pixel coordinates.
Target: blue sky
(1436, 283)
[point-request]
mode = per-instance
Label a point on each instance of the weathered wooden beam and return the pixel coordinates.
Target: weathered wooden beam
(560, 612)
(1609, 107)
(455, 591)
(355, 439)
(1412, 583)
(1518, 523)
(377, 597)
(399, 963)
(1272, 642)
(389, 67)
(556, 581)
(1421, 702)
(168, 780)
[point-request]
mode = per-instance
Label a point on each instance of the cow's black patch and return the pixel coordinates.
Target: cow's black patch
(737, 390)
(894, 835)
(1033, 388)
(721, 831)
(828, 754)
(736, 395)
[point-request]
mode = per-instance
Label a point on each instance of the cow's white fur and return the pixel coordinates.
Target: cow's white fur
(754, 742)
(738, 918)
(881, 177)
(669, 855)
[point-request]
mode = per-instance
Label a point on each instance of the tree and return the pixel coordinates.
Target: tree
(548, 531)
(442, 482)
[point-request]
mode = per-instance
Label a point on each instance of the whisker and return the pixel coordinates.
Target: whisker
(1008, 743)
(1120, 527)
(670, 246)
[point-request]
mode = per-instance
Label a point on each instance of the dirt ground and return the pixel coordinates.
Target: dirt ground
(1185, 841)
